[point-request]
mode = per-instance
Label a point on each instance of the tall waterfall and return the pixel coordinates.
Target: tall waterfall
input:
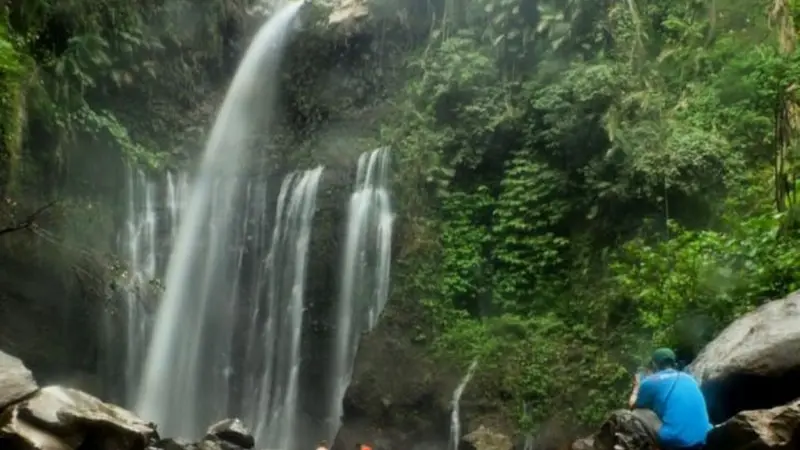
(365, 270)
(188, 372)
(272, 359)
(455, 413)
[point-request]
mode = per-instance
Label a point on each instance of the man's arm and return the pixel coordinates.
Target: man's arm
(634, 393)
(640, 397)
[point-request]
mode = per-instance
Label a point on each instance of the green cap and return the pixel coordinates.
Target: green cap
(664, 357)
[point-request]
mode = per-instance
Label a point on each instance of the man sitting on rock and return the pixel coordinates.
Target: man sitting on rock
(676, 399)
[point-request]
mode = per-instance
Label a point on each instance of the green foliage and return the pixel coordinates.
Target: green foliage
(113, 75)
(705, 273)
(528, 255)
(87, 87)
(12, 112)
(464, 264)
(604, 178)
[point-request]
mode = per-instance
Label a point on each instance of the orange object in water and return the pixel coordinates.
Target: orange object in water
(365, 447)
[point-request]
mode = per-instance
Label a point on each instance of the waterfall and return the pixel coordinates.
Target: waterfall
(153, 210)
(186, 381)
(365, 270)
(273, 347)
(455, 414)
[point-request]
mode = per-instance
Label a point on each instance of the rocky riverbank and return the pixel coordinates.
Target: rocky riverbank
(61, 418)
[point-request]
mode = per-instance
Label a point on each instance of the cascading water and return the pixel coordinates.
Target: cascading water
(365, 270)
(153, 210)
(272, 359)
(186, 379)
(455, 413)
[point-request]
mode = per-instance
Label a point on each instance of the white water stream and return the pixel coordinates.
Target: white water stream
(152, 218)
(365, 271)
(455, 413)
(272, 389)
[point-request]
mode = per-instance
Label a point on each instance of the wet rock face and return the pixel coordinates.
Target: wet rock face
(50, 319)
(397, 394)
(754, 363)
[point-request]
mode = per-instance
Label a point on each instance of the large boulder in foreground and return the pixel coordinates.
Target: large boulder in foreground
(16, 381)
(68, 418)
(754, 363)
(61, 418)
(763, 342)
(775, 428)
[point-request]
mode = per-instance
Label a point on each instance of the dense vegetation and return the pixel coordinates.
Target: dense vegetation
(86, 87)
(601, 178)
(578, 180)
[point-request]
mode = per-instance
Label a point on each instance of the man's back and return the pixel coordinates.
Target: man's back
(677, 400)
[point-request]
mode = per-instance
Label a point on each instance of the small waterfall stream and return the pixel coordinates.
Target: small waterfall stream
(365, 271)
(271, 407)
(153, 211)
(455, 414)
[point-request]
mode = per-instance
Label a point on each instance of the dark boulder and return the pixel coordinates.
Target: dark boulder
(754, 363)
(768, 429)
(623, 430)
(232, 431)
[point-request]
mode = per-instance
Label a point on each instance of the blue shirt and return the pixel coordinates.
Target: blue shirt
(676, 399)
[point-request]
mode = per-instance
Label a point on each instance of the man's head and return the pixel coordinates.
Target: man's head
(664, 358)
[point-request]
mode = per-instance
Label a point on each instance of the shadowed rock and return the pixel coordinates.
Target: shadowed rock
(16, 433)
(232, 431)
(776, 428)
(623, 430)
